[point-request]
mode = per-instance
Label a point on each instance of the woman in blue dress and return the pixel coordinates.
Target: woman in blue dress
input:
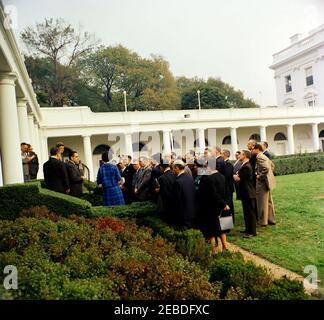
(109, 177)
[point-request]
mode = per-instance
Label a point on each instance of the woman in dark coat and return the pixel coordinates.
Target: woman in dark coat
(109, 177)
(211, 200)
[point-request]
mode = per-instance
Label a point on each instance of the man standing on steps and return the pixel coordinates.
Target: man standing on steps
(265, 183)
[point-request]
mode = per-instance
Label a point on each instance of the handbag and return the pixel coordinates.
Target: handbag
(226, 223)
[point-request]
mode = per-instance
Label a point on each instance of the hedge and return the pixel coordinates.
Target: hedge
(299, 164)
(104, 258)
(15, 198)
(134, 210)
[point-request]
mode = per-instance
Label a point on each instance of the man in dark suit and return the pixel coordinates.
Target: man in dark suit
(229, 181)
(184, 193)
(165, 190)
(74, 174)
(142, 186)
(55, 174)
(128, 174)
(220, 163)
(247, 194)
(251, 145)
(265, 147)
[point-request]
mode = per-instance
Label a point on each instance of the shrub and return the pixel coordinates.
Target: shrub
(298, 164)
(15, 198)
(75, 259)
(245, 280)
(285, 289)
(134, 210)
(190, 243)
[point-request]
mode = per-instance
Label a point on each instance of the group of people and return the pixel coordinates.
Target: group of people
(194, 191)
(191, 191)
(64, 176)
(30, 162)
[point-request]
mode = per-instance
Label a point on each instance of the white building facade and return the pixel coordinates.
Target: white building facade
(299, 71)
(134, 133)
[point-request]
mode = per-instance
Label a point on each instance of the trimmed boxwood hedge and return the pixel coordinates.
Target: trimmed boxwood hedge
(298, 164)
(15, 198)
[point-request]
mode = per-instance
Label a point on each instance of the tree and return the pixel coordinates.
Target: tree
(148, 82)
(60, 46)
(214, 94)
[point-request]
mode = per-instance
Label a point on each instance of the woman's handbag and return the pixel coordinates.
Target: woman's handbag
(226, 223)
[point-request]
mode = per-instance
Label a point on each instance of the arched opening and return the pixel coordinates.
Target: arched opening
(280, 137)
(227, 140)
(280, 144)
(101, 149)
(321, 136)
(256, 137)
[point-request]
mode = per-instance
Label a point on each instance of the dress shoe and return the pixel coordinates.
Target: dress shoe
(261, 225)
(243, 231)
(249, 236)
(272, 223)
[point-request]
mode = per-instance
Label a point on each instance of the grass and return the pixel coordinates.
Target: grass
(297, 240)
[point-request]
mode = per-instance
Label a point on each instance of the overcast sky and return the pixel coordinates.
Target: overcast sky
(230, 39)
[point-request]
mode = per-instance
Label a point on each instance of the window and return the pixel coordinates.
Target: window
(309, 76)
(288, 83)
(311, 103)
(102, 148)
(227, 140)
(256, 137)
(280, 137)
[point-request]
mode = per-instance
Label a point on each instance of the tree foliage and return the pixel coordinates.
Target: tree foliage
(57, 45)
(69, 68)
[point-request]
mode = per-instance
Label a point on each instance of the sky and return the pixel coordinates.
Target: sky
(229, 39)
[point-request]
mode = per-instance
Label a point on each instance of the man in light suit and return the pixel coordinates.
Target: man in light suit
(265, 183)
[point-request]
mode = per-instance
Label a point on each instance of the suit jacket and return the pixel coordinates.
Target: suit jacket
(246, 184)
(184, 192)
(75, 179)
(229, 171)
(264, 169)
(166, 182)
(128, 174)
(55, 175)
(142, 183)
(33, 164)
(220, 165)
(267, 154)
(237, 166)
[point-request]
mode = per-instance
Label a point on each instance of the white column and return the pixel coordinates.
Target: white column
(45, 151)
(9, 131)
(201, 141)
(315, 136)
(234, 142)
(31, 130)
(23, 120)
(88, 155)
(166, 142)
(37, 147)
(128, 144)
(263, 133)
(291, 141)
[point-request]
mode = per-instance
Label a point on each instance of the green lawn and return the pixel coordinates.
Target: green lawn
(298, 238)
